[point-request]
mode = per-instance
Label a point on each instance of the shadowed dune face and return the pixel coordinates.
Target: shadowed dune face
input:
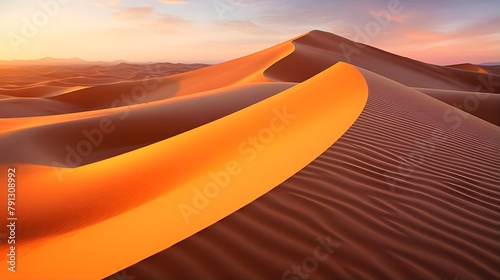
(244, 170)
(492, 69)
(483, 105)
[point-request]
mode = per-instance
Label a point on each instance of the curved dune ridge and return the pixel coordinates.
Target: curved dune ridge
(244, 170)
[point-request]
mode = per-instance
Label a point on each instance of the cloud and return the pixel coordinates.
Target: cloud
(174, 2)
(134, 13)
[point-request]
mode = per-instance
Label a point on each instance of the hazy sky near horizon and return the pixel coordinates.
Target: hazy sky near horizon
(211, 31)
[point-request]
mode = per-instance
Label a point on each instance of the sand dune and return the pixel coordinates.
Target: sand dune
(469, 67)
(242, 170)
(323, 49)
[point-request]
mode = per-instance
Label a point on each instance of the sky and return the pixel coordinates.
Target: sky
(211, 31)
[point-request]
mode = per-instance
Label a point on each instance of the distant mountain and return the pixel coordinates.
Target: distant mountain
(59, 61)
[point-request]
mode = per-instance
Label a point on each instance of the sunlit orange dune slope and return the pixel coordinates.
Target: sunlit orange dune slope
(122, 196)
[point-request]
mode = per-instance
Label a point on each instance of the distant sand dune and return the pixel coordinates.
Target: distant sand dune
(470, 67)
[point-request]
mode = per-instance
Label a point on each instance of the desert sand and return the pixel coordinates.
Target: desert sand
(239, 170)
